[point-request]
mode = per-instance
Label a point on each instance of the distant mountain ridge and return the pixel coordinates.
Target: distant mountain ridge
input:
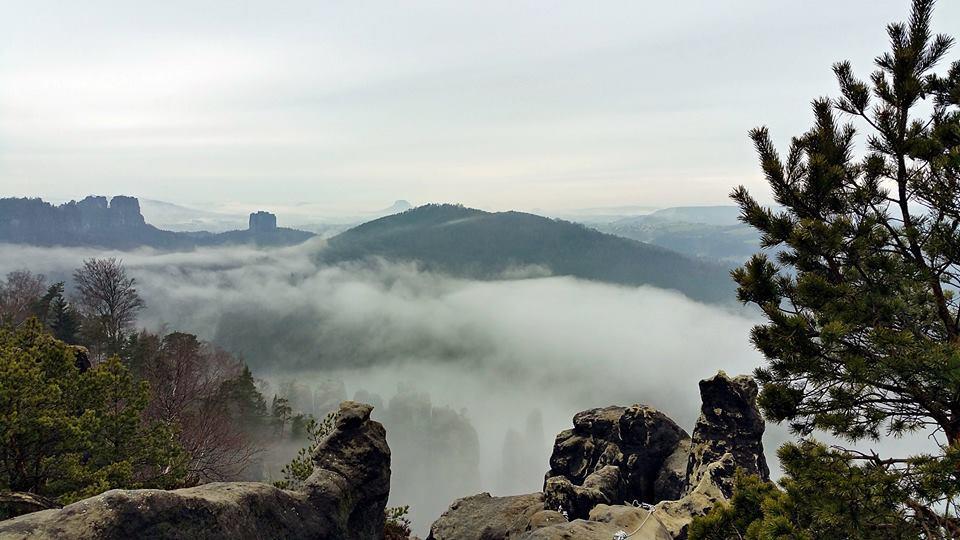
(118, 223)
(395, 208)
(174, 217)
(712, 232)
(475, 244)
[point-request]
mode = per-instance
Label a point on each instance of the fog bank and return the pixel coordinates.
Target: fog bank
(512, 360)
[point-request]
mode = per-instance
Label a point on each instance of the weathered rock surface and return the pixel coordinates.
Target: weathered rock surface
(483, 517)
(601, 487)
(729, 422)
(634, 440)
(676, 515)
(14, 503)
(671, 482)
(343, 499)
(603, 523)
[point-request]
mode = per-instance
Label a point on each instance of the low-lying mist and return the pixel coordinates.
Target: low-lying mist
(472, 379)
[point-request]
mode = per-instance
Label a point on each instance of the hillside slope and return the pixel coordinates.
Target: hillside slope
(471, 243)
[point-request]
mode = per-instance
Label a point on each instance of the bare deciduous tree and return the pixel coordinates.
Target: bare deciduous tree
(187, 377)
(19, 296)
(108, 300)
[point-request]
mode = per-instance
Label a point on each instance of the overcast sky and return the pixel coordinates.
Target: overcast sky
(352, 104)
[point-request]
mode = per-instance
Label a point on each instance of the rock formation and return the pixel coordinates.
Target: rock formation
(729, 423)
(603, 523)
(628, 469)
(262, 221)
(483, 516)
(343, 499)
(611, 455)
(119, 224)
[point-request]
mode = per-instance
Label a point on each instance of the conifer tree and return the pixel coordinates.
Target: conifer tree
(862, 331)
(67, 434)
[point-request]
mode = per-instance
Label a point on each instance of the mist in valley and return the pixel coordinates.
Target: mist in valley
(472, 379)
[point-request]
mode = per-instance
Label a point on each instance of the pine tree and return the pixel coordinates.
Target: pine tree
(68, 434)
(281, 411)
(862, 333)
(59, 315)
(245, 400)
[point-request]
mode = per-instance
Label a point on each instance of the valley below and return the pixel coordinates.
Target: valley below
(472, 379)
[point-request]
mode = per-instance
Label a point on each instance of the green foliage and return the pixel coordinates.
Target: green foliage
(248, 404)
(58, 314)
(824, 495)
(301, 467)
(863, 328)
(281, 411)
(69, 434)
(397, 524)
(62, 319)
(738, 518)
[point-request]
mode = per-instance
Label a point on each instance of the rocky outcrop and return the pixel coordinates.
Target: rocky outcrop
(16, 503)
(343, 499)
(628, 444)
(351, 479)
(483, 517)
(603, 523)
(729, 422)
(671, 482)
(262, 221)
(675, 516)
(618, 458)
(601, 487)
(118, 223)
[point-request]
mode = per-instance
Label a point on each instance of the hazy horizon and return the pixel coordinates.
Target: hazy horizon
(350, 106)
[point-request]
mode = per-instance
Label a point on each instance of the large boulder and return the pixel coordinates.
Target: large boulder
(601, 487)
(603, 523)
(634, 440)
(675, 516)
(483, 517)
(16, 503)
(343, 499)
(671, 481)
(729, 422)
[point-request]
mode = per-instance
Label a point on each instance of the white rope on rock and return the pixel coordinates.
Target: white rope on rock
(622, 535)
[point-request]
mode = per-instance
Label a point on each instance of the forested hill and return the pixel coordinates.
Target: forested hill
(471, 243)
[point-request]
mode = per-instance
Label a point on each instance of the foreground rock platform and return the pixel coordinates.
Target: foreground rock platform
(343, 499)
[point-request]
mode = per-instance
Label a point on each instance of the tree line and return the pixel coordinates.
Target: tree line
(89, 402)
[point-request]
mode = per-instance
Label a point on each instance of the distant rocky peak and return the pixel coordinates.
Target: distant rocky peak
(121, 211)
(125, 211)
(262, 221)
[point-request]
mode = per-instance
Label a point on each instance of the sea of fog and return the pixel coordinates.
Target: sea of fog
(472, 379)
